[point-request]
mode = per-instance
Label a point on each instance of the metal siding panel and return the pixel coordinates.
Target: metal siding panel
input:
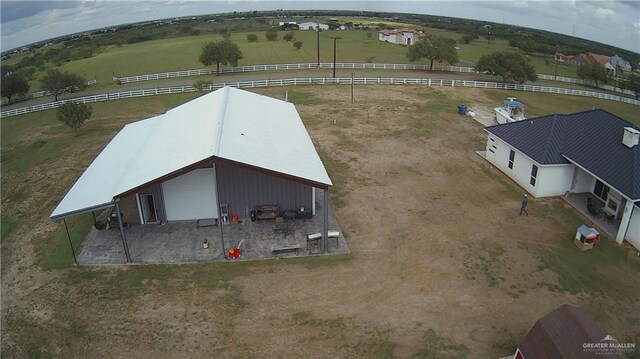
(243, 189)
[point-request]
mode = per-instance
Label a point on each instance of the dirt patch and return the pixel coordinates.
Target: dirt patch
(442, 264)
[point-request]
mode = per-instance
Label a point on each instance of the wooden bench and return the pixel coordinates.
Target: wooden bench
(285, 249)
(314, 238)
(267, 211)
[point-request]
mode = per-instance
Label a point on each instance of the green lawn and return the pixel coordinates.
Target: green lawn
(182, 53)
(354, 46)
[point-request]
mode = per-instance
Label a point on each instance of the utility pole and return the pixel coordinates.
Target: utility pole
(335, 39)
(318, 42)
(555, 74)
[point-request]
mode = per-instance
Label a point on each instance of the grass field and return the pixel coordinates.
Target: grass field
(354, 46)
(414, 289)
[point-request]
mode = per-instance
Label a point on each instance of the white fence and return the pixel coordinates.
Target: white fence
(583, 82)
(345, 65)
(44, 93)
(325, 81)
(278, 67)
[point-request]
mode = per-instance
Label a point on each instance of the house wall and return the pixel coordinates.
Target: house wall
(243, 189)
(633, 231)
(553, 180)
(498, 155)
(408, 38)
(583, 182)
(191, 196)
(550, 181)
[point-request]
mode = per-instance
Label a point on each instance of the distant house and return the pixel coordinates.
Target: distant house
(282, 23)
(560, 57)
(593, 153)
(619, 63)
(562, 334)
(590, 59)
(399, 36)
(313, 26)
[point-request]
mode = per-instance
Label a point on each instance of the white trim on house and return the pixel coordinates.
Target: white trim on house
(229, 123)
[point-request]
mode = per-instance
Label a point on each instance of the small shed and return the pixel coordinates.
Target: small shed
(563, 333)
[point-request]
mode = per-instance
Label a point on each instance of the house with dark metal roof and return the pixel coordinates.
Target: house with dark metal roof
(566, 332)
(594, 153)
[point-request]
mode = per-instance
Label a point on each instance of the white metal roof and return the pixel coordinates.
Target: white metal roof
(229, 123)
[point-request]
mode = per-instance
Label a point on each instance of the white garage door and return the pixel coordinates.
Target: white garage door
(191, 196)
(633, 232)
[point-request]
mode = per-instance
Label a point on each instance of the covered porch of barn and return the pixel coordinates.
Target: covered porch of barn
(183, 241)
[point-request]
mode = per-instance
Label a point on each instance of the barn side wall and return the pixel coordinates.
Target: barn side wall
(243, 189)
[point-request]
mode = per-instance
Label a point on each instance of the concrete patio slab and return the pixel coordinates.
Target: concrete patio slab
(182, 242)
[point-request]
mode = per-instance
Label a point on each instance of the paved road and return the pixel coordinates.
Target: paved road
(264, 75)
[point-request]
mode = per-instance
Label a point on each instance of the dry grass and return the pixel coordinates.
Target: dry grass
(442, 265)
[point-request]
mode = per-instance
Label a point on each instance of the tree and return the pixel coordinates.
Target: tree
(434, 48)
(271, 35)
(467, 38)
(14, 84)
(226, 34)
(57, 82)
(594, 72)
(252, 37)
(222, 52)
(297, 45)
(74, 114)
(632, 83)
(511, 66)
(288, 36)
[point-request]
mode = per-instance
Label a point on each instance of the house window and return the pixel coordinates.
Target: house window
(601, 190)
(512, 155)
(534, 175)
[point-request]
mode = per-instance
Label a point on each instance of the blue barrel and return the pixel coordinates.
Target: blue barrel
(462, 110)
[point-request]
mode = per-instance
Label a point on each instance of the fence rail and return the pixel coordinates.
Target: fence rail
(278, 67)
(340, 65)
(324, 81)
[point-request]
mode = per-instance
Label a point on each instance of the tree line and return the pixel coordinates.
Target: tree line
(54, 81)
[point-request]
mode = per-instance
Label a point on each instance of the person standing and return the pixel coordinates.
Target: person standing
(523, 209)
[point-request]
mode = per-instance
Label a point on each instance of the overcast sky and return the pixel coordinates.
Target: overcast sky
(612, 22)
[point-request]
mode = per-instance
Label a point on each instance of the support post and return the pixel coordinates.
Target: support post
(224, 251)
(335, 39)
(624, 222)
(122, 235)
(318, 42)
(70, 244)
(325, 222)
(353, 99)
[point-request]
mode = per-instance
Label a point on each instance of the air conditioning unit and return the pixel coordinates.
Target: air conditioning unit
(631, 137)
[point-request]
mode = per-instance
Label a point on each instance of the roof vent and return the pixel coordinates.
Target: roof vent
(631, 137)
